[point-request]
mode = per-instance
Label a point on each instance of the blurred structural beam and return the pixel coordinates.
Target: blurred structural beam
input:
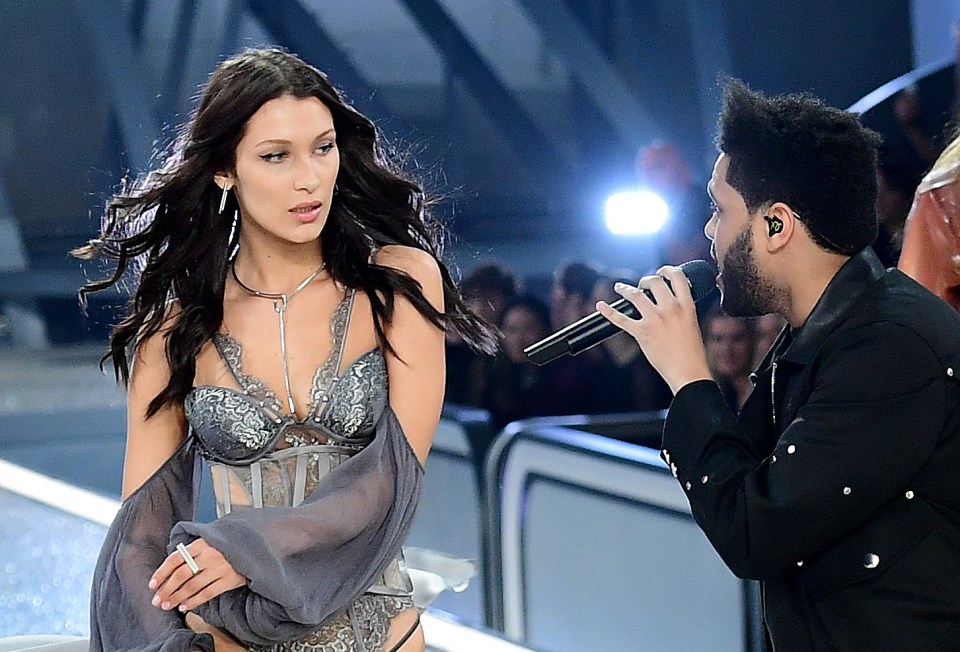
(230, 36)
(537, 154)
(12, 254)
(291, 25)
(178, 49)
(586, 63)
(711, 53)
(120, 63)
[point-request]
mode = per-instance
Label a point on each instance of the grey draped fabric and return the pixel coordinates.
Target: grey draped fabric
(304, 564)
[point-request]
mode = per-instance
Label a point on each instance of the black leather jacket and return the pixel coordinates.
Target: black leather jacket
(838, 486)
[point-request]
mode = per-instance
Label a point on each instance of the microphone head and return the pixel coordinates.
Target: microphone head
(702, 277)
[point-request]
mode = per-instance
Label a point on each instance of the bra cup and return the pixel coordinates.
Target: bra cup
(230, 426)
(358, 399)
(234, 428)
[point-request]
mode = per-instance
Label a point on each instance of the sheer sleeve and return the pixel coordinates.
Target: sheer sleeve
(306, 563)
(121, 616)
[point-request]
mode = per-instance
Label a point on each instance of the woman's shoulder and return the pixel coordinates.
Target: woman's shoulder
(153, 341)
(417, 263)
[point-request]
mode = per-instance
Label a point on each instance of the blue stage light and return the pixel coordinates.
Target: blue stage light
(636, 212)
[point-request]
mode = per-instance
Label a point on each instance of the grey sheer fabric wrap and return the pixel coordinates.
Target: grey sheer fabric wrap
(304, 564)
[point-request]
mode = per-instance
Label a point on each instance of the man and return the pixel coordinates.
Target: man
(838, 485)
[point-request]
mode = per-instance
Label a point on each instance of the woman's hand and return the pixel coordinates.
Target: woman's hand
(178, 587)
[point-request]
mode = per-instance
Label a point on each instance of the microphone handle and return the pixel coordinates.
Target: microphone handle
(593, 335)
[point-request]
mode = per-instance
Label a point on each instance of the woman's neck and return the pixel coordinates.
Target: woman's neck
(276, 268)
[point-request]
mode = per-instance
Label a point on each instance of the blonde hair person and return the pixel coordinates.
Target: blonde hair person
(931, 246)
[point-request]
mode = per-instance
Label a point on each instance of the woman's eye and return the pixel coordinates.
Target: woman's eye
(714, 208)
(326, 148)
(273, 157)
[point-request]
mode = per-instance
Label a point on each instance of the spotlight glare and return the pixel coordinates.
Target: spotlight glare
(635, 212)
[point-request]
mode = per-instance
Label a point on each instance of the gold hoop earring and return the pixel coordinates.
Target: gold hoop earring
(223, 198)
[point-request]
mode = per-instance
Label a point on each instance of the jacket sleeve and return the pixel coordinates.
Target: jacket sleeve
(306, 563)
(875, 412)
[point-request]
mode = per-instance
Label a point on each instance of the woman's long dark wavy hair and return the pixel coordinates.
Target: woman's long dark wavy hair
(166, 228)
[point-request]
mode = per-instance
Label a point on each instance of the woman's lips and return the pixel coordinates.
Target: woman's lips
(307, 212)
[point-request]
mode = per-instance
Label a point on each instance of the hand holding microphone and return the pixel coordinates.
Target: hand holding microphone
(593, 329)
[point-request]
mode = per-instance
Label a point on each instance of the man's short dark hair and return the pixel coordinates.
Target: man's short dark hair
(819, 160)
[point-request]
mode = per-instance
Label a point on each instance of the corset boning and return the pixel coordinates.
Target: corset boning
(261, 458)
(285, 478)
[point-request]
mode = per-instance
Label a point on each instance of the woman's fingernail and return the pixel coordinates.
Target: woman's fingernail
(166, 606)
(619, 286)
(182, 607)
(152, 583)
(156, 601)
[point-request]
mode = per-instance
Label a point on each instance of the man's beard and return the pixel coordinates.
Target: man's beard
(745, 293)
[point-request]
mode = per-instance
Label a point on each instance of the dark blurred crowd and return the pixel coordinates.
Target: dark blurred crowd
(613, 376)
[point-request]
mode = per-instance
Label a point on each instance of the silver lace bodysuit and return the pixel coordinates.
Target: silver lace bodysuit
(263, 457)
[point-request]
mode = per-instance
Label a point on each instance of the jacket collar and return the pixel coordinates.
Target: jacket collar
(844, 290)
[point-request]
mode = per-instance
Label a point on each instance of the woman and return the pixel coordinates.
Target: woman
(287, 327)
(931, 246)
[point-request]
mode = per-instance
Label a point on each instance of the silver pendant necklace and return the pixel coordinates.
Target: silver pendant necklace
(280, 302)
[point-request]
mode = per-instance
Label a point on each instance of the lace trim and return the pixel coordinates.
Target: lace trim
(326, 375)
(232, 353)
(362, 627)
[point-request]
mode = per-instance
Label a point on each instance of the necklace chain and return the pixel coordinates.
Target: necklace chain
(280, 302)
(275, 295)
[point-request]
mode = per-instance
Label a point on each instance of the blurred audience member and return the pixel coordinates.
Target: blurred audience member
(623, 380)
(729, 343)
(662, 169)
(931, 247)
(486, 290)
(766, 328)
(908, 110)
(511, 387)
(896, 185)
(570, 297)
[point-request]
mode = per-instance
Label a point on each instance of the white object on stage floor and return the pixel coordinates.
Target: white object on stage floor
(44, 643)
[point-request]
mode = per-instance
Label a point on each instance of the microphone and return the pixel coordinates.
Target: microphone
(593, 329)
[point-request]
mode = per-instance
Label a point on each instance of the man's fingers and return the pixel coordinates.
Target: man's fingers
(615, 317)
(679, 283)
(656, 286)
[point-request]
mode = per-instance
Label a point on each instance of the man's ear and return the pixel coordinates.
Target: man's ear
(780, 225)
